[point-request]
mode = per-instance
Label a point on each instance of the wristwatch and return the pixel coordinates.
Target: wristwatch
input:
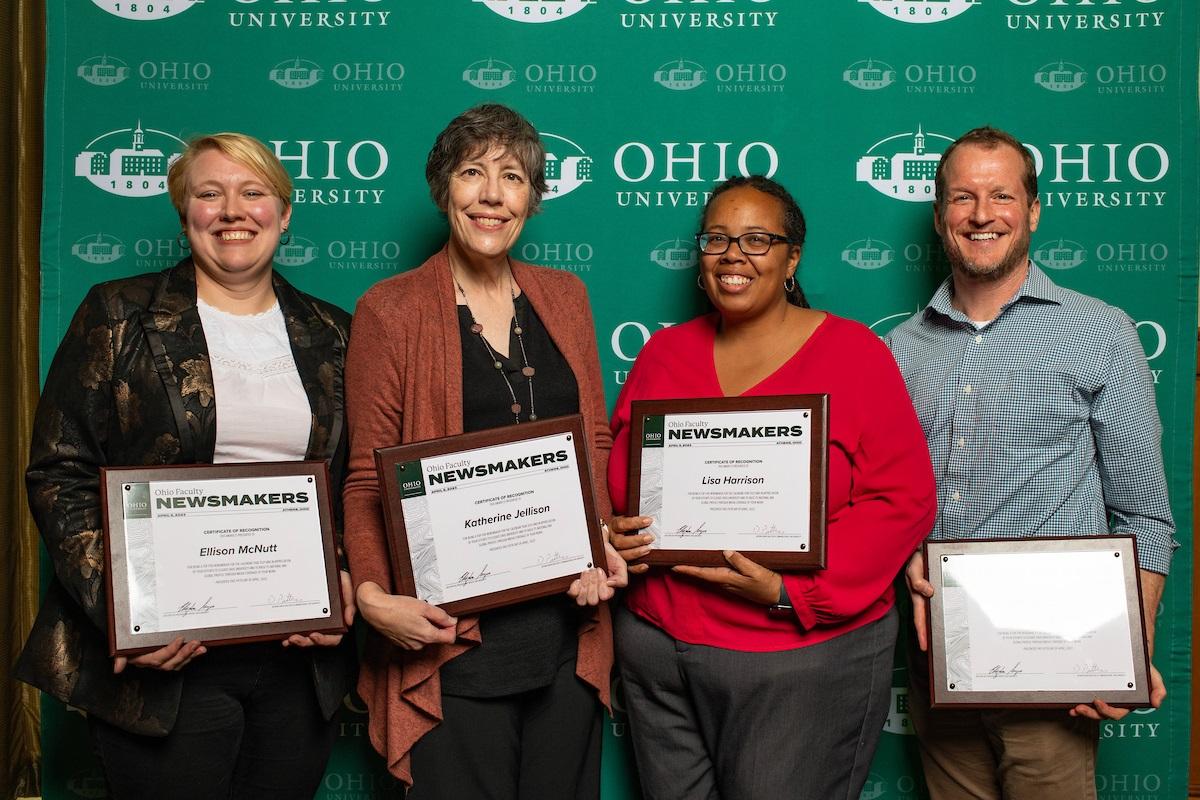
(783, 607)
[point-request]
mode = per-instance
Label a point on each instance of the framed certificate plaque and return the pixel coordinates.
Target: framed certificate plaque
(1036, 623)
(220, 553)
(737, 473)
(491, 518)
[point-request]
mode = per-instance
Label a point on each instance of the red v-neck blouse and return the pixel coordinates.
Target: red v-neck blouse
(881, 496)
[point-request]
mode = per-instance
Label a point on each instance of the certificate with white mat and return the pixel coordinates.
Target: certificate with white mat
(218, 553)
(491, 518)
(1036, 623)
(731, 473)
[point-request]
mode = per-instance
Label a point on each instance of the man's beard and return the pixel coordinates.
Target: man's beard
(1017, 255)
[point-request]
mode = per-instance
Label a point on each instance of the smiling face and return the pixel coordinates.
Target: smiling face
(741, 286)
(487, 206)
(233, 221)
(986, 217)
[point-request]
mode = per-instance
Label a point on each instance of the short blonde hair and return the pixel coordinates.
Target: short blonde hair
(239, 147)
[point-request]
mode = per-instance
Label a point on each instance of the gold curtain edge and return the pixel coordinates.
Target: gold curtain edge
(24, 74)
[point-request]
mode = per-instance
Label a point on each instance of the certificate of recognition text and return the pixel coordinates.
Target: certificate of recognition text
(495, 518)
(734, 480)
(220, 552)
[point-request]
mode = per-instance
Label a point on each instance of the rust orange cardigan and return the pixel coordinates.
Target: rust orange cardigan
(404, 384)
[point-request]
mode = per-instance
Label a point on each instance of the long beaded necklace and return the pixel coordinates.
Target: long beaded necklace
(526, 369)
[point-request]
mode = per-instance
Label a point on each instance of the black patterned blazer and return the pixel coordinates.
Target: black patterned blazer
(131, 385)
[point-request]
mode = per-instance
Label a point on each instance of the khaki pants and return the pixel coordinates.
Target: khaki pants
(992, 754)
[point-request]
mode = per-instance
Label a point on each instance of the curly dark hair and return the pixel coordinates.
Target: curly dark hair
(793, 218)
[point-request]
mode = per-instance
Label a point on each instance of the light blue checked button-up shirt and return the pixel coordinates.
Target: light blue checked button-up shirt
(1041, 423)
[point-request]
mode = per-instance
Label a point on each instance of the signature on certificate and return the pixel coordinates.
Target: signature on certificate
(1089, 668)
(765, 528)
(474, 575)
(691, 530)
(190, 607)
(285, 599)
(1000, 671)
(550, 559)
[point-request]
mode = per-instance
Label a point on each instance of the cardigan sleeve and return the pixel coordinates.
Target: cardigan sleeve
(375, 372)
(892, 497)
(70, 439)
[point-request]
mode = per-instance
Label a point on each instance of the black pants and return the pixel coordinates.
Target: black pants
(248, 727)
(538, 745)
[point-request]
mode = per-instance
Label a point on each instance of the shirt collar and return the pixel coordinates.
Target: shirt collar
(1037, 287)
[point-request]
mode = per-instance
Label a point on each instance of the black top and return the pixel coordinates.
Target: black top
(523, 644)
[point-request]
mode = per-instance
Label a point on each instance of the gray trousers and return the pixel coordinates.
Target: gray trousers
(710, 723)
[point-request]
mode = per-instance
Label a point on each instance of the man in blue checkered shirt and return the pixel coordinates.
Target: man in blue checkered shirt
(1039, 411)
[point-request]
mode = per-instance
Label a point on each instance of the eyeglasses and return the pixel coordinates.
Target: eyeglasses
(751, 244)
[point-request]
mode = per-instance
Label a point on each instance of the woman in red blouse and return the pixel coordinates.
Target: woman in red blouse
(741, 681)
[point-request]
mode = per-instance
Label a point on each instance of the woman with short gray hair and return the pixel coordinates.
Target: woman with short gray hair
(503, 704)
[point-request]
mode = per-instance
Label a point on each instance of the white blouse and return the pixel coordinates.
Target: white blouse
(262, 411)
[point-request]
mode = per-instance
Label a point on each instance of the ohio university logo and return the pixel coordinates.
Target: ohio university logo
(103, 71)
(296, 73)
(921, 10)
(868, 254)
(142, 11)
(899, 173)
(870, 75)
(675, 254)
(898, 721)
(873, 788)
(535, 10)
(121, 162)
(567, 166)
(680, 75)
(1060, 254)
(489, 74)
(1060, 76)
(98, 248)
(297, 252)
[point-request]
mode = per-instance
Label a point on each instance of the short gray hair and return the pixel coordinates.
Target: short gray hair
(473, 133)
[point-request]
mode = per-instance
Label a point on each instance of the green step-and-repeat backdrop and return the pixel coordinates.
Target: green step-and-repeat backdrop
(643, 105)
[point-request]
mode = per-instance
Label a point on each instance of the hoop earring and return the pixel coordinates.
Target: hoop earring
(791, 279)
(182, 240)
(288, 240)
(700, 282)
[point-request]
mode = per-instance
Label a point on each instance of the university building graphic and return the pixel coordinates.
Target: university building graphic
(489, 74)
(680, 75)
(904, 175)
(103, 71)
(134, 171)
(100, 248)
(869, 75)
(1060, 254)
(675, 254)
(1060, 77)
(564, 173)
(868, 254)
(295, 74)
